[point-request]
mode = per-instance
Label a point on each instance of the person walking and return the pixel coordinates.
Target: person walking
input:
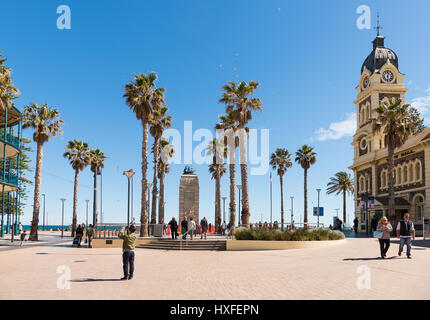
(355, 224)
(384, 241)
(22, 236)
(204, 226)
(373, 224)
(128, 245)
(191, 227)
(406, 233)
(79, 234)
(184, 228)
(173, 228)
(224, 227)
(90, 235)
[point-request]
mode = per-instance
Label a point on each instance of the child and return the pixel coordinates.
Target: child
(23, 234)
(128, 245)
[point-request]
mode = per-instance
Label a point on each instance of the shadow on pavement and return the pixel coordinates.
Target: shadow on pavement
(366, 259)
(94, 280)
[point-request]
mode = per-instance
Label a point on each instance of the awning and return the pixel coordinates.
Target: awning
(397, 201)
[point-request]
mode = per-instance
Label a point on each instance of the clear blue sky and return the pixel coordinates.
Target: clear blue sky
(305, 54)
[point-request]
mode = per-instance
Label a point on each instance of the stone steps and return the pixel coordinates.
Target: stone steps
(217, 245)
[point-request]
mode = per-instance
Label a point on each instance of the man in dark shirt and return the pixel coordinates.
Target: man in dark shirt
(184, 228)
(173, 228)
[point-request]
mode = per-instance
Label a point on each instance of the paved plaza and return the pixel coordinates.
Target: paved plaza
(330, 272)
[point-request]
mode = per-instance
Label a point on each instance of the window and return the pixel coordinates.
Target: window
(411, 173)
(399, 176)
(405, 174)
(418, 171)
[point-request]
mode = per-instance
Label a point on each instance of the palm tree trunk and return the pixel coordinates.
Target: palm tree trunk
(75, 202)
(37, 187)
(218, 201)
(305, 213)
(154, 182)
(95, 201)
(390, 160)
(344, 206)
(161, 200)
(245, 200)
(281, 179)
(232, 170)
(144, 199)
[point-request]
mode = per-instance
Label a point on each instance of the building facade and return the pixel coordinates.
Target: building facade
(381, 80)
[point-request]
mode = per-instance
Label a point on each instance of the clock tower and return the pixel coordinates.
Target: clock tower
(380, 80)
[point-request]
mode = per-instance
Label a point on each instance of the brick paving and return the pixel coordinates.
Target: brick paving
(314, 273)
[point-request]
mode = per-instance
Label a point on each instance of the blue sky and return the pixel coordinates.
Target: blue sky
(306, 55)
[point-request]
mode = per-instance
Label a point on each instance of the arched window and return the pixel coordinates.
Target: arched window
(361, 184)
(399, 176)
(385, 179)
(411, 173)
(418, 170)
(405, 174)
(419, 206)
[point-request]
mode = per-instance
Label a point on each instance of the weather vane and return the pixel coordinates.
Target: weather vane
(378, 25)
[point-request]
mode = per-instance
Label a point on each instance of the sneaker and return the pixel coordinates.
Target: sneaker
(130, 277)
(123, 278)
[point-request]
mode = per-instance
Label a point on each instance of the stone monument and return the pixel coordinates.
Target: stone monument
(189, 195)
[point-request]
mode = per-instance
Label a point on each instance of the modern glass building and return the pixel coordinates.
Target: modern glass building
(10, 165)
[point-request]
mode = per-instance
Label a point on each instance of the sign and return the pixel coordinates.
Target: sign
(321, 211)
(371, 203)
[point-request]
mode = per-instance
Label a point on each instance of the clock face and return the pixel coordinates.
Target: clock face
(366, 82)
(388, 76)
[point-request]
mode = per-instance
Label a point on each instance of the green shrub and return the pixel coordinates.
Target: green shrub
(296, 235)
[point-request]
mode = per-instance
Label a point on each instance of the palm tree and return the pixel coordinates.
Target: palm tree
(397, 122)
(7, 90)
(229, 125)
(97, 162)
(280, 160)
(46, 123)
(341, 183)
(240, 104)
(141, 96)
(217, 150)
(77, 153)
(305, 157)
(159, 122)
(166, 151)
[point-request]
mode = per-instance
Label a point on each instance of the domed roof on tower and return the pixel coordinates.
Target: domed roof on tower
(380, 55)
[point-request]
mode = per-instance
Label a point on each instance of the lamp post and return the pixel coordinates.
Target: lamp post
(292, 214)
(271, 198)
(223, 205)
(149, 201)
(44, 199)
(318, 210)
(62, 217)
(129, 174)
(86, 222)
(238, 215)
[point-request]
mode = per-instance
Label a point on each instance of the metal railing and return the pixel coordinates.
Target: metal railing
(10, 178)
(9, 138)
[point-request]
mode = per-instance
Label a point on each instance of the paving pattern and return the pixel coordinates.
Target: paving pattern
(348, 270)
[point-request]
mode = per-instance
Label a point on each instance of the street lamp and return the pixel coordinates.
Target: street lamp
(62, 217)
(318, 210)
(87, 213)
(271, 198)
(149, 185)
(292, 214)
(238, 220)
(223, 210)
(128, 174)
(44, 198)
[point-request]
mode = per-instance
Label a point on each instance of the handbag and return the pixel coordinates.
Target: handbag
(377, 234)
